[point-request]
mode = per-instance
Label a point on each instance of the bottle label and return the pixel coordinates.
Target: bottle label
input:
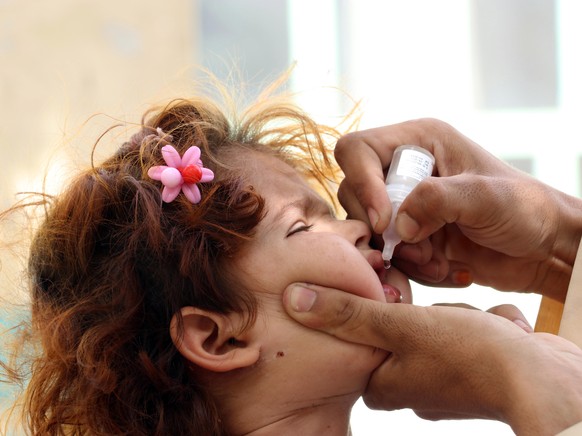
(414, 164)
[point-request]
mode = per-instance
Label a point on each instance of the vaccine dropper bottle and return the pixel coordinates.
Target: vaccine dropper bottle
(410, 165)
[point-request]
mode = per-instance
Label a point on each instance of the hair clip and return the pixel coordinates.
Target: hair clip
(181, 173)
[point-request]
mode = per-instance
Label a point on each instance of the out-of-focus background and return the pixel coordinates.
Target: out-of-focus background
(504, 72)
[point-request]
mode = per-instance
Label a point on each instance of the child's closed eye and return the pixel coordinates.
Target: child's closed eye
(300, 227)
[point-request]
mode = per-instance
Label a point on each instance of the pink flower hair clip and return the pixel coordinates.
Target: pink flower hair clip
(181, 173)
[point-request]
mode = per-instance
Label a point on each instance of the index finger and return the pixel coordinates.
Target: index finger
(384, 140)
(363, 157)
(452, 150)
(363, 187)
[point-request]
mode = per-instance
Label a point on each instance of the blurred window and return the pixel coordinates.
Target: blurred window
(515, 53)
(250, 34)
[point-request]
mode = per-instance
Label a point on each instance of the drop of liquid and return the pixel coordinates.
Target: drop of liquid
(387, 264)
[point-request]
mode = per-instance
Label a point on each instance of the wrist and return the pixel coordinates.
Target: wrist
(537, 404)
(566, 243)
(536, 411)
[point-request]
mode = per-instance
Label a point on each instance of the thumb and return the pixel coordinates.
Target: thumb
(435, 202)
(350, 317)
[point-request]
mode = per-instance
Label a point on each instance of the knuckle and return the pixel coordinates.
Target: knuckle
(351, 203)
(489, 186)
(432, 191)
(361, 190)
(345, 144)
(343, 193)
(510, 307)
(381, 399)
(506, 310)
(432, 125)
(347, 315)
(431, 195)
(372, 400)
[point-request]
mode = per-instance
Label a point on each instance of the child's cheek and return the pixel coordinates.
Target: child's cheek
(335, 263)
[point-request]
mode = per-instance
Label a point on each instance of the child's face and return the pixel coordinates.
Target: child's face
(299, 240)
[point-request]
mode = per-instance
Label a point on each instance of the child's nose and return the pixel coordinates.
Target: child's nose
(356, 231)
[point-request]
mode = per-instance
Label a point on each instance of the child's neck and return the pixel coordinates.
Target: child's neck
(265, 409)
(328, 420)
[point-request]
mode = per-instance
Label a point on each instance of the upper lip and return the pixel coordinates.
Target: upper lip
(374, 258)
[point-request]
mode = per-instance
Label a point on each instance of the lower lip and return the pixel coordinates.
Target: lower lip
(391, 293)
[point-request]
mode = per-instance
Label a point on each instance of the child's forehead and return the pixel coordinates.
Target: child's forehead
(258, 165)
(274, 178)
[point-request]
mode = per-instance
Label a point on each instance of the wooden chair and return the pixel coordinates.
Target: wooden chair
(564, 317)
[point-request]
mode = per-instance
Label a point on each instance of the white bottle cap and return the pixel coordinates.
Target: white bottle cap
(410, 165)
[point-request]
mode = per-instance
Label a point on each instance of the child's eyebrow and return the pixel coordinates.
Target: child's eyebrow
(308, 205)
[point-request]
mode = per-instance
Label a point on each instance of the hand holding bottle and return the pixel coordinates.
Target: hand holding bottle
(478, 220)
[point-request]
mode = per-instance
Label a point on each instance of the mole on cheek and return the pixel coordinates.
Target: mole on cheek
(280, 354)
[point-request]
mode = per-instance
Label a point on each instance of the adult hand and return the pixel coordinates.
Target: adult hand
(479, 221)
(450, 362)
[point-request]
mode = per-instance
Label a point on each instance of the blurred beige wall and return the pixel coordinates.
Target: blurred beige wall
(63, 60)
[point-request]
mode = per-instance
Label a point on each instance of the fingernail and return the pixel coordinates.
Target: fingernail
(406, 227)
(302, 299)
(463, 277)
(525, 326)
(373, 216)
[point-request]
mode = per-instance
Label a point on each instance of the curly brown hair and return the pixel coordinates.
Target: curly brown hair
(111, 264)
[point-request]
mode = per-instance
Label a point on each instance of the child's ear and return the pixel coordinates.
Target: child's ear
(208, 340)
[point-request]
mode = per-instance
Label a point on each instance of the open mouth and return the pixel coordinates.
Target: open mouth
(391, 292)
